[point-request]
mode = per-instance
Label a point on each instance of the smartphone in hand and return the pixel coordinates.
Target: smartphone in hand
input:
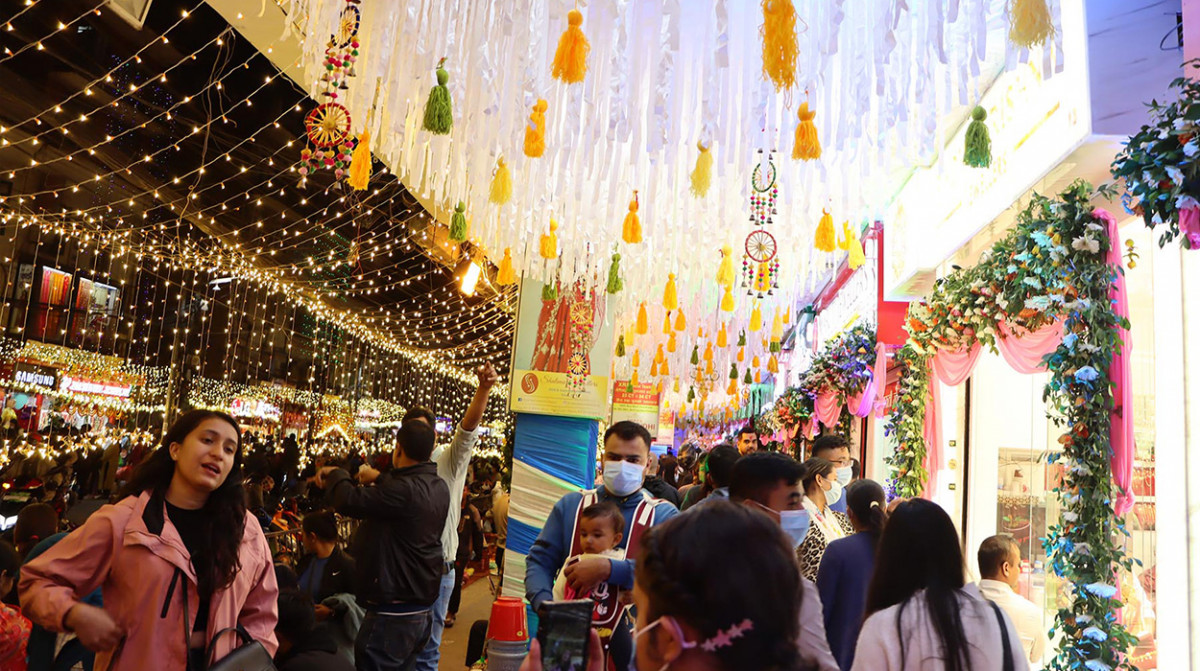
(564, 628)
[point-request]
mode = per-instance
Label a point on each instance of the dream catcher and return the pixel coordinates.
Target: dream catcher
(328, 125)
(760, 263)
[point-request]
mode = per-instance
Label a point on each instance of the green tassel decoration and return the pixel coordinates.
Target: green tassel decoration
(621, 345)
(733, 374)
(776, 347)
(749, 379)
(614, 275)
(439, 115)
(696, 355)
(978, 153)
(691, 394)
(629, 387)
(458, 223)
(550, 292)
(741, 339)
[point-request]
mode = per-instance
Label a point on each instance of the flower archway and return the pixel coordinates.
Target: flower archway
(1049, 296)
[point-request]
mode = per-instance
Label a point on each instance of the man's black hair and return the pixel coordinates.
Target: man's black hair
(627, 430)
(754, 475)
(829, 441)
(419, 412)
(721, 460)
(296, 616)
(417, 440)
(322, 524)
(993, 552)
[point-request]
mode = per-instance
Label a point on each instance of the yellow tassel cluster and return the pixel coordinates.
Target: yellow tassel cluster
(722, 337)
(501, 190)
(1031, 23)
(780, 46)
(773, 365)
(826, 239)
(857, 256)
(570, 59)
(670, 294)
(680, 322)
(702, 175)
(360, 163)
(756, 320)
(549, 242)
(506, 275)
(727, 300)
(808, 145)
(643, 327)
(535, 132)
(725, 272)
(631, 231)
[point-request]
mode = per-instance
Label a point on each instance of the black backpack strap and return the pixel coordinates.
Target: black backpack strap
(1009, 665)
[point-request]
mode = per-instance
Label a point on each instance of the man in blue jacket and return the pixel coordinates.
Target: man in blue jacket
(626, 454)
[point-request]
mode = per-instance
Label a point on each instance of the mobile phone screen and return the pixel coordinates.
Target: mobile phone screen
(563, 631)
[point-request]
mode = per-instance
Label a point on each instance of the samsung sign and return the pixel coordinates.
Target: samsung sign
(38, 376)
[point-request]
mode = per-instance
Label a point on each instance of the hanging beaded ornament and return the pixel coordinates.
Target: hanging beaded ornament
(328, 125)
(760, 264)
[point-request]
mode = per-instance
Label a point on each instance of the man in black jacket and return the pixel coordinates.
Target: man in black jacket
(657, 486)
(303, 646)
(324, 570)
(398, 550)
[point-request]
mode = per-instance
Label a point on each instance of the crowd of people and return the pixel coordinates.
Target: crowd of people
(730, 558)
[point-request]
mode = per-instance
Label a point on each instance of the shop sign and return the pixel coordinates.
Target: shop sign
(854, 300)
(666, 426)
(38, 376)
(1034, 122)
(99, 388)
(558, 349)
(636, 403)
(249, 407)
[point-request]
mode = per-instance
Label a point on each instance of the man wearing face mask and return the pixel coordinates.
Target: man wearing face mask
(835, 449)
(770, 482)
(626, 454)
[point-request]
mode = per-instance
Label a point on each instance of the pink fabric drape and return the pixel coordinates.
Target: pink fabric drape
(1189, 225)
(1024, 350)
(863, 403)
(1121, 419)
(954, 368)
(827, 408)
(810, 428)
(933, 434)
(880, 378)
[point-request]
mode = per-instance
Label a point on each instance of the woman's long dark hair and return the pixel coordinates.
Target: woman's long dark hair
(865, 498)
(919, 550)
(688, 572)
(225, 511)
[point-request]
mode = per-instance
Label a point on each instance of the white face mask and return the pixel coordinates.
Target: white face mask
(834, 493)
(844, 475)
(622, 478)
(795, 523)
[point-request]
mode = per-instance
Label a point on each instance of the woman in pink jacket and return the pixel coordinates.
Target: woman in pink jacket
(178, 560)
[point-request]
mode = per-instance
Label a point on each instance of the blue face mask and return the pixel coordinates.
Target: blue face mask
(844, 474)
(795, 523)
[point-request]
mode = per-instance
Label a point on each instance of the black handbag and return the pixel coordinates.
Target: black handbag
(249, 655)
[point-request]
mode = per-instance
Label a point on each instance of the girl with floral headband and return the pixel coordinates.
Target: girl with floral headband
(716, 590)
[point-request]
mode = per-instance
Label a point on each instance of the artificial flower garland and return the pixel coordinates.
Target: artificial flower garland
(1050, 266)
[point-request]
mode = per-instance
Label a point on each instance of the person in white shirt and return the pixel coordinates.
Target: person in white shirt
(1000, 567)
(922, 615)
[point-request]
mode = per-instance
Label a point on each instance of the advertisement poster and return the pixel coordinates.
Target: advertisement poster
(636, 403)
(562, 351)
(666, 426)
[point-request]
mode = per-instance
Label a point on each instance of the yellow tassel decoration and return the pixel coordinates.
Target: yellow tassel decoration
(654, 369)
(671, 346)
(780, 46)
(631, 232)
(659, 356)
(680, 322)
(725, 272)
(843, 242)
(741, 357)
(501, 190)
(1031, 23)
(756, 320)
(549, 242)
(633, 379)
(642, 326)
(732, 391)
(773, 365)
(667, 330)
(708, 367)
(808, 145)
(570, 59)
(826, 240)
(664, 369)
(535, 132)
(708, 353)
(637, 358)
(670, 294)
(722, 337)
(360, 163)
(776, 329)
(758, 377)
(755, 363)
(702, 175)
(675, 386)
(857, 256)
(506, 275)
(727, 300)
(787, 316)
